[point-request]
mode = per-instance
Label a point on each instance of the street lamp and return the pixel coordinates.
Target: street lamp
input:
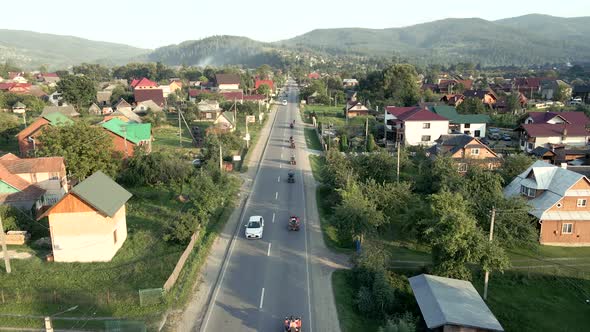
(48, 323)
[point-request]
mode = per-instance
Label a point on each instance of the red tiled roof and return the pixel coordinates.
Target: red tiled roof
(413, 113)
(570, 117)
(196, 92)
(552, 130)
(233, 95)
(27, 191)
(313, 75)
(143, 82)
(253, 97)
(6, 86)
(155, 95)
(258, 83)
(17, 165)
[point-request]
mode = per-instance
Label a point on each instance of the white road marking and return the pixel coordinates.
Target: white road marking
(273, 217)
(279, 179)
(281, 156)
(277, 195)
(261, 298)
(280, 165)
(268, 252)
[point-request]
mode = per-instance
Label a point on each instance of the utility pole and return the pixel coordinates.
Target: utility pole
(4, 249)
(247, 134)
(179, 128)
(487, 275)
(220, 158)
(366, 132)
(398, 157)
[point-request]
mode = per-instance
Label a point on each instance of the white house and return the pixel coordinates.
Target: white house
(227, 82)
(469, 124)
(546, 128)
(415, 125)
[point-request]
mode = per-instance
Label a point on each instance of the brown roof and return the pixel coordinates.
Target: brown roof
(26, 192)
(155, 95)
(552, 130)
(16, 165)
(227, 79)
(33, 127)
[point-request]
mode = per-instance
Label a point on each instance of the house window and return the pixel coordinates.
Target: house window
(425, 138)
(567, 228)
(467, 125)
(475, 152)
(426, 125)
(529, 192)
(462, 167)
(115, 236)
(478, 133)
(582, 202)
(208, 115)
(530, 146)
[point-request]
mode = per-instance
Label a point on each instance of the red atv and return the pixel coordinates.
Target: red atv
(294, 223)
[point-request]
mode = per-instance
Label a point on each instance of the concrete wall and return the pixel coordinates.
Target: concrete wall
(414, 131)
(87, 236)
(472, 128)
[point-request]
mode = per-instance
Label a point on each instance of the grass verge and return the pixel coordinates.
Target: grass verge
(312, 140)
(344, 294)
(317, 162)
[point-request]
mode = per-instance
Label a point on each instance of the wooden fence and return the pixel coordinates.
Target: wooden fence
(181, 261)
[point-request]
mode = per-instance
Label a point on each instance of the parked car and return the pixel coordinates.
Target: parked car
(575, 101)
(494, 133)
(284, 102)
(506, 137)
(254, 227)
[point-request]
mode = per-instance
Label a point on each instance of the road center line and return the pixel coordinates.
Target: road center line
(261, 298)
(279, 179)
(273, 217)
(281, 156)
(268, 252)
(280, 165)
(277, 195)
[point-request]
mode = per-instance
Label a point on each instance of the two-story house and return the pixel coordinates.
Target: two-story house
(543, 129)
(558, 198)
(466, 151)
(209, 110)
(227, 82)
(29, 182)
(415, 125)
(468, 124)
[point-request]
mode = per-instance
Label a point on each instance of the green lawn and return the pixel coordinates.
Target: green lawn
(529, 302)
(316, 166)
(166, 138)
(111, 289)
(350, 319)
(312, 140)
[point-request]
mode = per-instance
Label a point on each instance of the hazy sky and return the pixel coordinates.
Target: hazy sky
(151, 23)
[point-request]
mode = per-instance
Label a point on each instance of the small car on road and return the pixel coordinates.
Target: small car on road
(254, 227)
(284, 102)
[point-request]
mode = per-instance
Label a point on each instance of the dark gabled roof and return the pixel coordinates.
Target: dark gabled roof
(227, 79)
(446, 301)
(552, 130)
(155, 95)
(540, 151)
(570, 117)
(102, 193)
(581, 88)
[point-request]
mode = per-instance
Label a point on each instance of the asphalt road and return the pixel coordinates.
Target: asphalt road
(265, 280)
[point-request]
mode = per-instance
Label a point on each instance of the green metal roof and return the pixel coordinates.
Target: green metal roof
(56, 119)
(134, 132)
(102, 193)
(450, 113)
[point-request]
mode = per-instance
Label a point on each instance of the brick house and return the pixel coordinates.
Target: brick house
(353, 109)
(559, 200)
(465, 151)
(127, 135)
(27, 138)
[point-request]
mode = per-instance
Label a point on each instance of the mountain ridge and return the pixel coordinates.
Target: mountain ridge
(523, 40)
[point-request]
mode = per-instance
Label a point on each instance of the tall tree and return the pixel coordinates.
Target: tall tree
(9, 126)
(400, 82)
(77, 90)
(85, 148)
(356, 215)
(514, 165)
(472, 106)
